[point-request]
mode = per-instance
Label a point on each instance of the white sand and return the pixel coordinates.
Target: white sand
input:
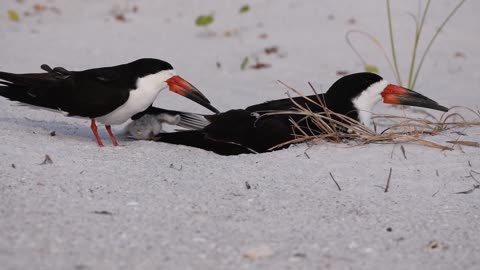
(175, 207)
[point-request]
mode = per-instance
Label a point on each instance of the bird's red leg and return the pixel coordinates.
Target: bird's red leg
(93, 126)
(112, 137)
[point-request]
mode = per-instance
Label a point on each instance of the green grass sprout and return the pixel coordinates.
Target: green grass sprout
(414, 68)
(204, 20)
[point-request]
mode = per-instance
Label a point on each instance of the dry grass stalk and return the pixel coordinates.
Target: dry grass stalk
(334, 127)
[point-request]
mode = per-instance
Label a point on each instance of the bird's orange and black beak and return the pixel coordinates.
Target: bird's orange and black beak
(180, 86)
(394, 94)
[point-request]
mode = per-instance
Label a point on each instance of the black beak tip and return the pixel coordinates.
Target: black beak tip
(213, 109)
(443, 108)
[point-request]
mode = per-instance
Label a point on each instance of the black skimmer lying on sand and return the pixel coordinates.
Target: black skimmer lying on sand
(109, 95)
(256, 129)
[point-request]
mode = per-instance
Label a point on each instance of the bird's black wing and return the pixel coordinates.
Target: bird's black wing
(236, 129)
(198, 139)
(287, 104)
(90, 93)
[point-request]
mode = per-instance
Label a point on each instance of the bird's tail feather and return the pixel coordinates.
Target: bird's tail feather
(25, 88)
(187, 120)
(193, 121)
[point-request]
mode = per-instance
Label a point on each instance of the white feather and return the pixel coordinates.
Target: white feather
(140, 98)
(367, 99)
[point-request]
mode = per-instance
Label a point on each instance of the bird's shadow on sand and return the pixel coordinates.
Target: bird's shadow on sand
(61, 128)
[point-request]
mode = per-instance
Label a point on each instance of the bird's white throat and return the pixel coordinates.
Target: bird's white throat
(365, 102)
(139, 99)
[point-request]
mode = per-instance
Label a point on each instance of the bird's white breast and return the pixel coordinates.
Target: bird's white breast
(139, 99)
(367, 99)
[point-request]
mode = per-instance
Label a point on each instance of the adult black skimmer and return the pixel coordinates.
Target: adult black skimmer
(109, 95)
(255, 129)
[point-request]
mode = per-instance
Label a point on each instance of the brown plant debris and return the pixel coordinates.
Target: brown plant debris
(260, 65)
(271, 50)
(465, 143)
(337, 128)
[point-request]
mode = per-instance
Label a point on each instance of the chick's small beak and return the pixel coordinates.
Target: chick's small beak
(180, 86)
(394, 94)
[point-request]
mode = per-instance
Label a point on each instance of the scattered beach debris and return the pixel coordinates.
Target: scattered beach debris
(435, 245)
(342, 72)
(103, 212)
(299, 255)
(469, 191)
(387, 186)
(13, 15)
(263, 36)
(459, 55)
(120, 17)
(244, 63)
(403, 151)
(244, 9)
(335, 181)
(260, 65)
(271, 49)
(465, 143)
(47, 160)
(120, 11)
(258, 252)
(39, 8)
(175, 168)
(204, 20)
(371, 68)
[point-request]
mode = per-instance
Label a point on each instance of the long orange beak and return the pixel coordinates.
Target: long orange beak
(180, 86)
(394, 94)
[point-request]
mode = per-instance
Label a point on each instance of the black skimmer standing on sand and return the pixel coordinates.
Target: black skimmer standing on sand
(255, 129)
(109, 95)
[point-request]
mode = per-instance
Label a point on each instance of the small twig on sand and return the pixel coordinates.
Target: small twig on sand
(336, 183)
(403, 151)
(469, 191)
(391, 154)
(473, 177)
(388, 180)
(103, 212)
(47, 160)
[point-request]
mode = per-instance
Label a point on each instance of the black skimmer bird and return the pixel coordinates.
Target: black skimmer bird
(255, 129)
(109, 95)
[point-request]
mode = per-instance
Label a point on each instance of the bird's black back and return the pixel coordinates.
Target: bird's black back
(89, 93)
(258, 127)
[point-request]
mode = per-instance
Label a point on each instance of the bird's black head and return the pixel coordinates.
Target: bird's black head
(351, 86)
(355, 95)
(157, 74)
(342, 96)
(146, 66)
